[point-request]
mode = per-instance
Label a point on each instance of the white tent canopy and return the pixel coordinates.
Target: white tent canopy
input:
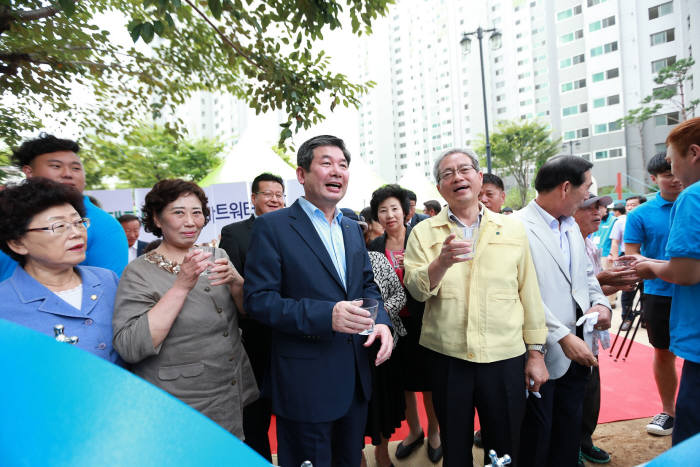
(252, 155)
(414, 180)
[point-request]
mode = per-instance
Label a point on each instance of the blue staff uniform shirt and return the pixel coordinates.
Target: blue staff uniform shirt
(107, 246)
(601, 238)
(27, 302)
(331, 235)
(684, 242)
(649, 226)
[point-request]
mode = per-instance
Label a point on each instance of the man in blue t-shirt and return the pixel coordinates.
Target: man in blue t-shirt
(57, 159)
(683, 270)
(646, 233)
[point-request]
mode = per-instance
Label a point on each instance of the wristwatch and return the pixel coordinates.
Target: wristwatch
(538, 347)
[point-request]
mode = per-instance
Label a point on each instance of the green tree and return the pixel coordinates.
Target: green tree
(519, 146)
(261, 52)
(673, 80)
(146, 154)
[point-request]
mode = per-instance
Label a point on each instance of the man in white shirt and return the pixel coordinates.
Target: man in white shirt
(132, 228)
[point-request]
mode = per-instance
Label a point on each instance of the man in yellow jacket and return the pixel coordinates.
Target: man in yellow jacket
(484, 319)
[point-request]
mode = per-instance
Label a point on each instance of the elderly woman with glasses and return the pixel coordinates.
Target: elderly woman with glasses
(175, 316)
(43, 228)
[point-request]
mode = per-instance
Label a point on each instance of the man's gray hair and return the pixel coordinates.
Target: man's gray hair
(468, 151)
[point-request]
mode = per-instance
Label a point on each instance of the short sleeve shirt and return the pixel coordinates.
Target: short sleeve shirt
(601, 237)
(684, 242)
(649, 226)
(617, 233)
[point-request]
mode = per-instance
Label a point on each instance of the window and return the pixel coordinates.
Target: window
(595, 2)
(594, 26)
(579, 59)
(576, 84)
(574, 109)
(661, 10)
(565, 14)
(600, 128)
(598, 77)
(613, 100)
(612, 73)
(666, 119)
(601, 49)
(657, 65)
(662, 37)
(571, 36)
(598, 102)
(582, 133)
(569, 135)
(660, 148)
(609, 21)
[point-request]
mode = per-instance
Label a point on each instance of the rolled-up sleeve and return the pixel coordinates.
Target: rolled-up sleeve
(132, 336)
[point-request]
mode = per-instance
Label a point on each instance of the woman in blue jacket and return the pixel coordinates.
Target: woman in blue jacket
(43, 227)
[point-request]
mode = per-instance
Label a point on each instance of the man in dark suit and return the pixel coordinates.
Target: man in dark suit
(267, 196)
(132, 228)
(412, 217)
(305, 265)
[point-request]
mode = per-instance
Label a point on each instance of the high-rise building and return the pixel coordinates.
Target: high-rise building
(576, 65)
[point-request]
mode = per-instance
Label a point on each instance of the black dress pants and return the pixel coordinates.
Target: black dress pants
(496, 389)
(551, 431)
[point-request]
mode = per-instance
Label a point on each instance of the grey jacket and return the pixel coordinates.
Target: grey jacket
(202, 361)
(560, 288)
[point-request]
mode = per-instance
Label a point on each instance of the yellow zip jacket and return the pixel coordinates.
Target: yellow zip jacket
(483, 310)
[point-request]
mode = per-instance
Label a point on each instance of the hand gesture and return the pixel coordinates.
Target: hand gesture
(536, 373)
(604, 317)
(382, 332)
(194, 264)
(349, 318)
(223, 272)
(577, 350)
(452, 251)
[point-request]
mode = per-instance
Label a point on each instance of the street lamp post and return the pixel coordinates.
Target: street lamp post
(495, 40)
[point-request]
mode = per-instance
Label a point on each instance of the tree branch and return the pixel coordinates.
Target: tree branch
(225, 39)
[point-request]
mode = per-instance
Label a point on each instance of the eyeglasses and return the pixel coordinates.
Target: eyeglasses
(59, 228)
(270, 194)
(449, 174)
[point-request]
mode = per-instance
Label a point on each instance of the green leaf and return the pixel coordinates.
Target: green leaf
(68, 7)
(158, 27)
(169, 20)
(147, 32)
(135, 31)
(215, 7)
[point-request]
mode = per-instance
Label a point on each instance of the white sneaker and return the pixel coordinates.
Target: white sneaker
(661, 425)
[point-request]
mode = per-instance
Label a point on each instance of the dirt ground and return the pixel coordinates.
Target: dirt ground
(627, 442)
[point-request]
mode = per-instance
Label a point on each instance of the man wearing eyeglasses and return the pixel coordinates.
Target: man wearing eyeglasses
(267, 196)
(57, 159)
(483, 313)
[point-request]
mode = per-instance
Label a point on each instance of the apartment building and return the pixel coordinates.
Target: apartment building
(576, 65)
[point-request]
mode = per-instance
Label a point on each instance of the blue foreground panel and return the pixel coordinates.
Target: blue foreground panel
(64, 406)
(685, 453)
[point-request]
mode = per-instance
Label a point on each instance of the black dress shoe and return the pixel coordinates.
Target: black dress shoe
(405, 450)
(434, 454)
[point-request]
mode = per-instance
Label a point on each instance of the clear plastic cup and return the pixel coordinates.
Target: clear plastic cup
(372, 306)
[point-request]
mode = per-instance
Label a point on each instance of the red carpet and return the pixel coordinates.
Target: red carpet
(628, 391)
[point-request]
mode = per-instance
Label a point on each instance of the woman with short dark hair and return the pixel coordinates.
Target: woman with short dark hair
(43, 227)
(175, 314)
